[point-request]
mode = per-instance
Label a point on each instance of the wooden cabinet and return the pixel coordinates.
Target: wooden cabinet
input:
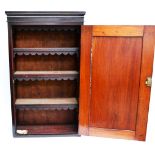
(72, 79)
(44, 71)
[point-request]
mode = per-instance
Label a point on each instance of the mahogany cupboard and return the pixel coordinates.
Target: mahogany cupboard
(68, 78)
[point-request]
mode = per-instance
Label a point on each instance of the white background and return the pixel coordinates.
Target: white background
(124, 12)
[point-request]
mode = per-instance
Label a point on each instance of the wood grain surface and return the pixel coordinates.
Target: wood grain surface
(115, 82)
(146, 71)
(47, 63)
(46, 101)
(118, 30)
(46, 89)
(123, 134)
(85, 73)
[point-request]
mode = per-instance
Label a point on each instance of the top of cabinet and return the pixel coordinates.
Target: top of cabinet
(45, 17)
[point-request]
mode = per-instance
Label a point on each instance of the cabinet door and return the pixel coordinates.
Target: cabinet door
(115, 62)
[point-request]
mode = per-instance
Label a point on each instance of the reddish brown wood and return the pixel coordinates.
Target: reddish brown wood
(118, 30)
(110, 96)
(116, 76)
(146, 71)
(49, 129)
(125, 134)
(85, 70)
(46, 89)
(115, 82)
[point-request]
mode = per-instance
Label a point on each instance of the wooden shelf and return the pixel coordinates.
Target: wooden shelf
(45, 103)
(46, 51)
(45, 75)
(46, 129)
(48, 28)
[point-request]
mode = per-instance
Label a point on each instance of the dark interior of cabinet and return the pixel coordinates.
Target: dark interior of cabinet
(46, 89)
(44, 119)
(48, 63)
(46, 37)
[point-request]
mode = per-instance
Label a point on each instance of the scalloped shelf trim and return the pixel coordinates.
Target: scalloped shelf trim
(47, 107)
(45, 51)
(44, 78)
(66, 29)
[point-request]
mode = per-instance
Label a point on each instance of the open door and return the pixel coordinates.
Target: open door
(116, 61)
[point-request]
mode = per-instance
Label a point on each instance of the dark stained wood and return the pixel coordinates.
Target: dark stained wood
(46, 117)
(146, 71)
(45, 39)
(85, 71)
(12, 87)
(45, 17)
(48, 106)
(45, 75)
(41, 43)
(46, 89)
(45, 13)
(49, 129)
(115, 82)
(46, 51)
(47, 63)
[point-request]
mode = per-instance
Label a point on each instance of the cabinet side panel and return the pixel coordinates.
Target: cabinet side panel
(85, 62)
(11, 64)
(146, 71)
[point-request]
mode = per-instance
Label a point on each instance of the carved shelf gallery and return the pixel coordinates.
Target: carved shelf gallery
(50, 28)
(46, 51)
(46, 103)
(45, 75)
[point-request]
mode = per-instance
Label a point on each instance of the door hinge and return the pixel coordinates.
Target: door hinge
(148, 81)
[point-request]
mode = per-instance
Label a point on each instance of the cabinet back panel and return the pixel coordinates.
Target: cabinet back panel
(46, 117)
(45, 39)
(46, 89)
(47, 63)
(115, 82)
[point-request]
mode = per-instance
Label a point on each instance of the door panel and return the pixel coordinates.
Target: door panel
(115, 62)
(116, 65)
